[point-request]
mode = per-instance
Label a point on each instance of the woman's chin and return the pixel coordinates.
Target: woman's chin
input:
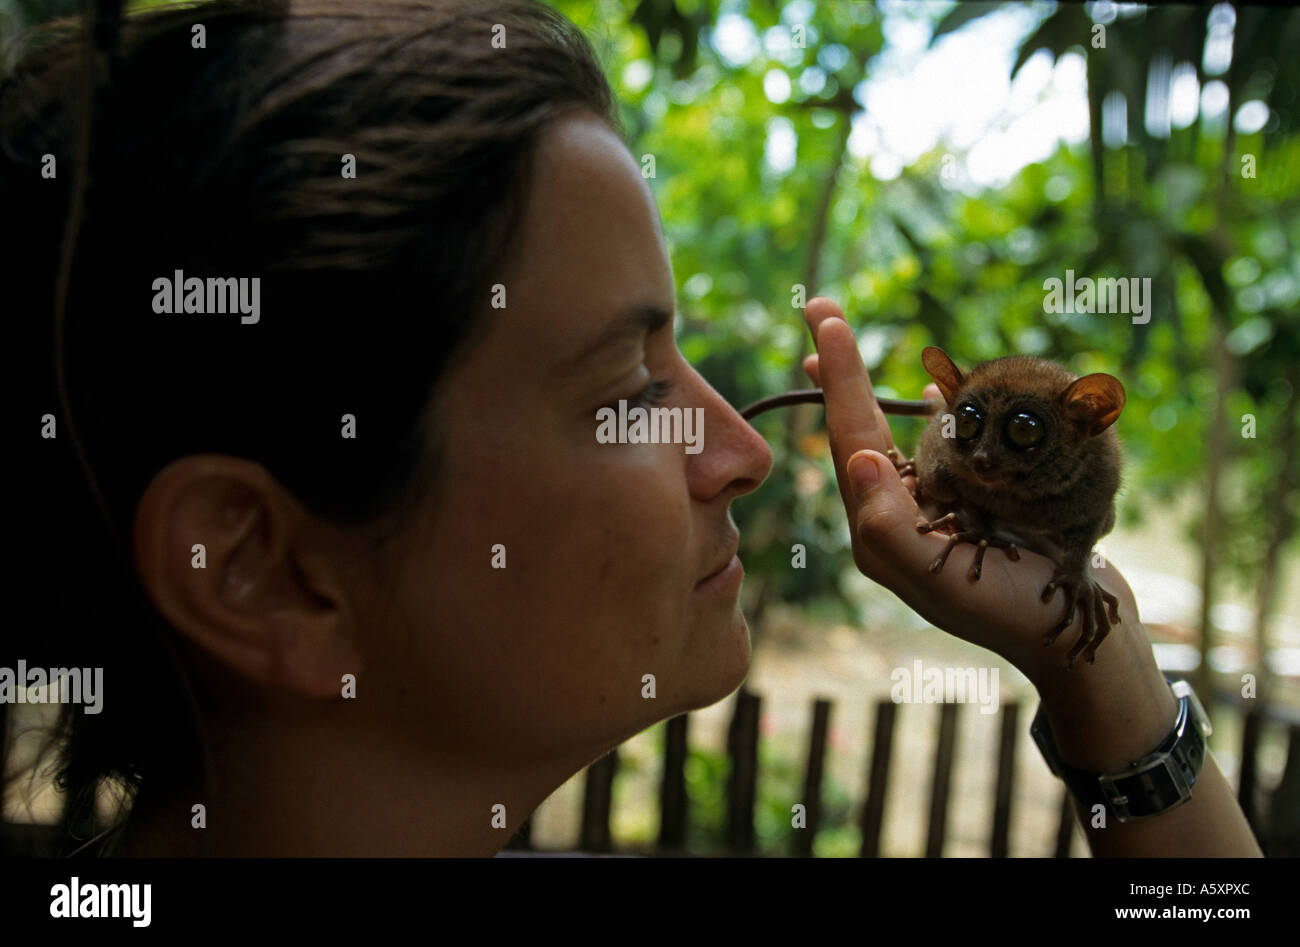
(725, 665)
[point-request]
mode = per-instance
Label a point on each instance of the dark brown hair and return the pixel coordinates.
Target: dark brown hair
(225, 161)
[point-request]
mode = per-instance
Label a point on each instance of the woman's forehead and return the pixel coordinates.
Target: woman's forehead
(592, 242)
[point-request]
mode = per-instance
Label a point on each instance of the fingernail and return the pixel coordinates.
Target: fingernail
(863, 473)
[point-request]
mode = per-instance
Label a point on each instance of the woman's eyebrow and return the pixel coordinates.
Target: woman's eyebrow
(630, 322)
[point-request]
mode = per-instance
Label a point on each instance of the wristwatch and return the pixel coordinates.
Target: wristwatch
(1157, 782)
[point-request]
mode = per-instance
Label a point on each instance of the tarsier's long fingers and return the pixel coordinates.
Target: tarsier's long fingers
(966, 536)
(953, 540)
(977, 566)
(901, 463)
(924, 527)
(969, 536)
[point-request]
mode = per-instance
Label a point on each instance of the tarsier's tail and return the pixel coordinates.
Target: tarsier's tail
(816, 396)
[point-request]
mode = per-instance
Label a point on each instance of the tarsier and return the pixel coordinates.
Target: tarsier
(1025, 455)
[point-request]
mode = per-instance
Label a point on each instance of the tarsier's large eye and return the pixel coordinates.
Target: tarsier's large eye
(1024, 430)
(969, 422)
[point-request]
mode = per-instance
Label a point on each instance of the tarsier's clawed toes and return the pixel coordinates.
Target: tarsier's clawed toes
(1099, 610)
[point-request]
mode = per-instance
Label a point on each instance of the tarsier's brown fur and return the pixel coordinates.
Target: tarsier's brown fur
(1056, 497)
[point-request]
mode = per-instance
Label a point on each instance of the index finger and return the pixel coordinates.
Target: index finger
(854, 421)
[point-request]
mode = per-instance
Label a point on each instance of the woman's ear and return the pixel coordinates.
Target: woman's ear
(225, 555)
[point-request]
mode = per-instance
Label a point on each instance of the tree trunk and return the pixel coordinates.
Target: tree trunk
(1275, 505)
(1216, 451)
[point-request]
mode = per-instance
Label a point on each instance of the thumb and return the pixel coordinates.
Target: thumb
(886, 510)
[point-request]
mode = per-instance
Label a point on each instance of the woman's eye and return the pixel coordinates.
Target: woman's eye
(969, 422)
(1024, 430)
(653, 393)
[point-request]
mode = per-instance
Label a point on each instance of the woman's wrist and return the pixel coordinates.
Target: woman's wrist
(1105, 715)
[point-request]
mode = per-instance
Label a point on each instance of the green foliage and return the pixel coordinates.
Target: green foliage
(706, 790)
(914, 261)
(780, 786)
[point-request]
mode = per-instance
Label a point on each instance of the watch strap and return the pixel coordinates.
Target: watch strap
(1156, 783)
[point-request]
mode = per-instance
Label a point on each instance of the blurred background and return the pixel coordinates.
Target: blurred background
(929, 165)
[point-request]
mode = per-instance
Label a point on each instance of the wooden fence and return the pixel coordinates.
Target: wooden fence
(1275, 820)
(1274, 816)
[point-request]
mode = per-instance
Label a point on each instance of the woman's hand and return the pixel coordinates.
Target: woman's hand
(1003, 610)
(1101, 716)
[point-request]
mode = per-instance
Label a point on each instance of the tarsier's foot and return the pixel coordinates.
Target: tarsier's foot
(982, 543)
(1100, 610)
(901, 463)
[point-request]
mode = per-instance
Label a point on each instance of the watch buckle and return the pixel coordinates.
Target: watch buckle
(1118, 800)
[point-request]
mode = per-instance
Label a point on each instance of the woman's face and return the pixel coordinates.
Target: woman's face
(604, 545)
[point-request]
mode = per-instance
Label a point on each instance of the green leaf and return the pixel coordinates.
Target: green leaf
(960, 15)
(1068, 26)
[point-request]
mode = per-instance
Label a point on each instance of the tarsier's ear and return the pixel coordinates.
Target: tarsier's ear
(945, 374)
(1093, 402)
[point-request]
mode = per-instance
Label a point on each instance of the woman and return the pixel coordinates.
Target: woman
(382, 589)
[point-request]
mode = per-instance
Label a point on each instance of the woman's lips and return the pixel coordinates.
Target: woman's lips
(726, 579)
